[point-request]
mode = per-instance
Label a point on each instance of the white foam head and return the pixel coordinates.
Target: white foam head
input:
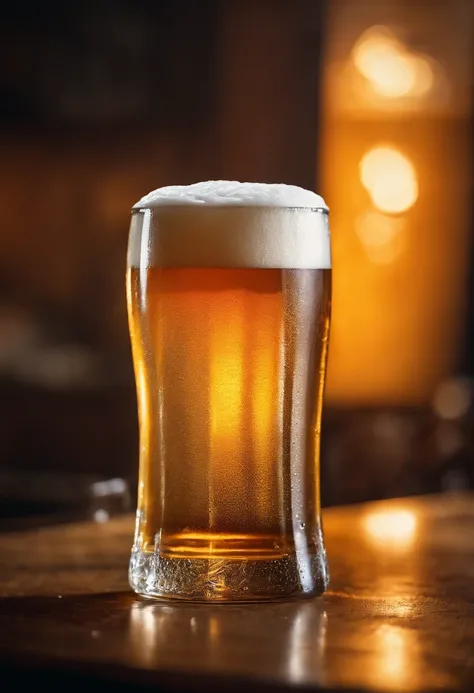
(230, 224)
(232, 193)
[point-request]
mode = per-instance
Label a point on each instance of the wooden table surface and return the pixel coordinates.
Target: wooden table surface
(399, 614)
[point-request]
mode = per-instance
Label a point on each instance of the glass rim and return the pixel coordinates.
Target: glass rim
(141, 208)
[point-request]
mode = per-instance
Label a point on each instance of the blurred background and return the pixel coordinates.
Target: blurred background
(369, 102)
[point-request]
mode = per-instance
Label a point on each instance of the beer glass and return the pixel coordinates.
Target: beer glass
(229, 293)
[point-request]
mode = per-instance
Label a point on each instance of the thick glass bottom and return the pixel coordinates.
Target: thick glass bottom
(228, 578)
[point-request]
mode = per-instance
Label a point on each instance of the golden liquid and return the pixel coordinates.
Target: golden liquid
(230, 367)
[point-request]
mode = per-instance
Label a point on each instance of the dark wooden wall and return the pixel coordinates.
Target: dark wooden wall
(100, 103)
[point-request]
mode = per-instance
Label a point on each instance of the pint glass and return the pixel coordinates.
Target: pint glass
(229, 294)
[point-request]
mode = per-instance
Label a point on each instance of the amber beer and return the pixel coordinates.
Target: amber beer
(229, 319)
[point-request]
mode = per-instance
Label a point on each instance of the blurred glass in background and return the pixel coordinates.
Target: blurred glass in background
(396, 168)
(397, 171)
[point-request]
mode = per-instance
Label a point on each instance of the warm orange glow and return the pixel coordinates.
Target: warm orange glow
(391, 69)
(227, 379)
(390, 179)
(263, 409)
(394, 645)
(391, 527)
(214, 629)
(226, 399)
(381, 236)
(399, 240)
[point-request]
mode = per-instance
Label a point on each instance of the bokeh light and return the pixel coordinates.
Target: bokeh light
(392, 70)
(390, 179)
(396, 528)
(452, 399)
(379, 58)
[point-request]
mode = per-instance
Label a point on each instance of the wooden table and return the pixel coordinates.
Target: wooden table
(399, 614)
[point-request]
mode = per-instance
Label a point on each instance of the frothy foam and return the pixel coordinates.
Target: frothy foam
(230, 236)
(233, 193)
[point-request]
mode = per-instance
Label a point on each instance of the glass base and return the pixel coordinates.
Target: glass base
(228, 579)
